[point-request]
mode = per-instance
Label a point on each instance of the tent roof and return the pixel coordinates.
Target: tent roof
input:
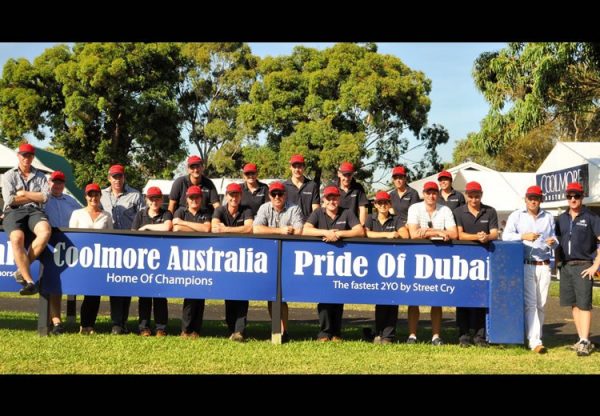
(467, 166)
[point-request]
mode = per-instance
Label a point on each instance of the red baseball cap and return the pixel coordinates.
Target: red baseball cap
(575, 187)
(249, 167)
(331, 190)
(444, 174)
(473, 187)
(296, 159)
(194, 190)
(92, 187)
(57, 175)
(276, 186)
(399, 170)
(382, 196)
(346, 167)
(234, 187)
(116, 169)
(26, 148)
(534, 191)
(430, 185)
(153, 191)
(194, 160)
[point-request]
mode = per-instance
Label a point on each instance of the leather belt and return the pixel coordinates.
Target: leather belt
(578, 262)
(537, 263)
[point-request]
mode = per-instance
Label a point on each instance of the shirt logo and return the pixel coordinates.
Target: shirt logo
(340, 223)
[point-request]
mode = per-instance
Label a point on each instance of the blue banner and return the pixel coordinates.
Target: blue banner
(396, 273)
(204, 267)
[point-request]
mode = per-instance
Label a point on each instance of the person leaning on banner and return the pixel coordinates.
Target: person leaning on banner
(25, 190)
(535, 227)
(352, 193)
(192, 218)
(578, 230)
(123, 202)
(153, 218)
(475, 222)
(403, 196)
(429, 220)
(58, 208)
(92, 216)
(332, 223)
(300, 190)
(234, 218)
(382, 224)
(254, 192)
(195, 176)
(279, 217)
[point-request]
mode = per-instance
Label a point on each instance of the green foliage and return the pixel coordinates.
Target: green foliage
(530, 85)
(100, 104)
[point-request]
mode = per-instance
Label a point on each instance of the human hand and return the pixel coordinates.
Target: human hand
(589, 272)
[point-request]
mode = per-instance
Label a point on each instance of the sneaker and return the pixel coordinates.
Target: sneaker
(19, 278)
(584, 348)
(161, 333)
(29, 289)
(574, 346)
(87, 330)
(118, 330)
(377, 340)
(57, 329)
(464, 341)
(237, 337)
(386, 341)
(437, 341)
(411, 340)
(145, 332)
(540, 349)
(480, 341)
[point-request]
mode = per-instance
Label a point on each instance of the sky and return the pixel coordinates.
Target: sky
(455, 102)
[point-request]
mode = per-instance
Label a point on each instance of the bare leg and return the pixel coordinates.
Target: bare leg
(413, 320)
(55, 308)
(17, 242)
(42, 233)
(436, 321)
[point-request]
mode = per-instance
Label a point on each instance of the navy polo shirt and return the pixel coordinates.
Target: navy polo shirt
(143, 218)
(486, 219)
(354, 198)
(344, 220)
(455, 200)
(209, 192)
(222, 213)
(391, 224)
(304, 196)
(254, 199)
(578, 238)
(401, 203)
(184, 214)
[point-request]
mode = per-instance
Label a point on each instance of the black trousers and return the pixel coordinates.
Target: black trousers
(161, 312)
(119, 310)
(330, 319)
(236, 315)
(470, 319)
(89, 310)
(192, 315)
(386, 317)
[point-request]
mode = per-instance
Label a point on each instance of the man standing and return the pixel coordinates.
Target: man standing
(25, 190)
(279, 217)
(300, 190)
(448, 194)
(332, 223)
(59, 208)
(210, 197)
(123, 203)
(403, 196)
(429, 220)
(535, 227)
(578, 230)
(475, 222)
(352, 193)
(254, 192)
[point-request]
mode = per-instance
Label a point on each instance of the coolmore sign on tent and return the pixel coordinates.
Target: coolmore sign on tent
(554, 183)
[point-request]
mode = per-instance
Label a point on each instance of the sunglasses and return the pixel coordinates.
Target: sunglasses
(574, 196)
(276, 194)
(93, 194)
(398, 177)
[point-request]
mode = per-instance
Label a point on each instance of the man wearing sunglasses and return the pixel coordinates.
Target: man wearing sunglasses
(535, 227)
(352, 193)
(254, 192)
(578, 230)
(279, 217)
(403, 196)
(25, 190)
(195, 176)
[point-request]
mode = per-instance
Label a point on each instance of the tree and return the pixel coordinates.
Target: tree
(218, 80)
(100, 104)
(345, 103)
(531, 85)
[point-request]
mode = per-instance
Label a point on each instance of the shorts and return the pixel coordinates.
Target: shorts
(575, 290)
(23, 218)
